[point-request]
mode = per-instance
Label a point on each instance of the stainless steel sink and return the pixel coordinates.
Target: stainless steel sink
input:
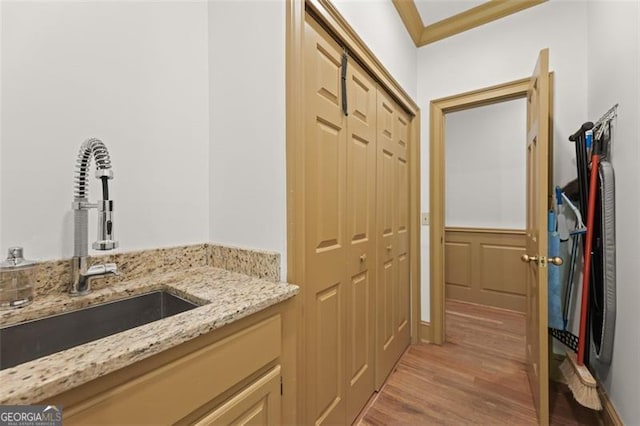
(34, 339)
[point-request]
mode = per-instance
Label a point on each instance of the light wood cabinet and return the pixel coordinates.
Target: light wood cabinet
(233, 375)
(257, 404)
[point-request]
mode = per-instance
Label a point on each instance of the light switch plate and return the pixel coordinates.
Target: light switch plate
(425, 219)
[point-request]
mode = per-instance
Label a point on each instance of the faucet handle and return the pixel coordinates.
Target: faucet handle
(111, 268)
(106, 269)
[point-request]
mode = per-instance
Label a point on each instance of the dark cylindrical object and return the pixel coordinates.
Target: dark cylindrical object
(587, 276)
(586, 126)
(105, 187)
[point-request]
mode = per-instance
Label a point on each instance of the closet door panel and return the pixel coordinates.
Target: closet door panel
(402, 230)
(403, 329)
(393, 289)
(326, 283)
(361, 197)
(386, 225)
(387, 311)
(385, 245)
(356, 215)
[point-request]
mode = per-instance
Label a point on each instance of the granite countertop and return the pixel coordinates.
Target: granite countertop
(226, 297)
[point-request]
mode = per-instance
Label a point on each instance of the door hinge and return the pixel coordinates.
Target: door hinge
(281, 387)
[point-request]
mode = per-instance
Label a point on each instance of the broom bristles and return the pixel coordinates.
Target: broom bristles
(582, 384)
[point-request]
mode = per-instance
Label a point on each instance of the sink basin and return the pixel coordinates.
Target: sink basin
(34, 339)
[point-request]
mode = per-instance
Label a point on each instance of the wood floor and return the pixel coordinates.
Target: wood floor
(477, 377)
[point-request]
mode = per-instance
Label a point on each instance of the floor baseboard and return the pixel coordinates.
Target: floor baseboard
(608, 415)
(425, 332)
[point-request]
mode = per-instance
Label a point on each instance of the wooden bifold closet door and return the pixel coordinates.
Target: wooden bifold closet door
(346, 236)
(393, 285)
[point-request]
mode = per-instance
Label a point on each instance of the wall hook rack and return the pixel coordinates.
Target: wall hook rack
(599, 127)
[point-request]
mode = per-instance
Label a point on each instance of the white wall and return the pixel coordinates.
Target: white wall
(499, 52)
(613, 77)
(138, 77)
(137, 74)
(247, 113)
(485, 166)
(378, 24)
(132, 73)
(247, 157)
(1, 240)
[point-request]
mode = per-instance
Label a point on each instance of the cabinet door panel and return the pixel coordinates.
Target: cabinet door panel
(258, 404)
(192, 381)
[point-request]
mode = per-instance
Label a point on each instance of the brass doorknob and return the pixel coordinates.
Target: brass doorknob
(556, 260)
(526, 258)
(389, 247)
(363, 258)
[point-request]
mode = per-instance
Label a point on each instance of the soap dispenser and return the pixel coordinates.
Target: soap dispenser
(16, 280)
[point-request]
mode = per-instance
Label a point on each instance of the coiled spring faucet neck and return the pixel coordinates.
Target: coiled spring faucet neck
(96, 148)
(81, 275)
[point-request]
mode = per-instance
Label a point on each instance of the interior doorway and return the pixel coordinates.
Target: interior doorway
(538, 90)
(512, 91)
(485, 205)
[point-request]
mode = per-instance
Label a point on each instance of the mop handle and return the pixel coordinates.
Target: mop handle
(576, 212)
(593, 185)
(569, 286)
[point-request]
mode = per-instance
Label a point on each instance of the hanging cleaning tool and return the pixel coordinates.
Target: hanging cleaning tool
(602, 318)
(580, 226)
(582, 163)
(555, 288)
(570, 194)
(581, 139)
(577, 375)
(593, 188)
(602, 294)
(576, 235)
(588, 142)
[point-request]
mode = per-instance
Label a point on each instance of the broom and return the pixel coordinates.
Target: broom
(576, 374)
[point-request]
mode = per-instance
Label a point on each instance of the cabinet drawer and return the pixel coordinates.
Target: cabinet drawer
(176, 389)
(258, 403)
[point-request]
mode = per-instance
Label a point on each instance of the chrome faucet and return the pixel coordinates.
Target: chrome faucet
(81, 276)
